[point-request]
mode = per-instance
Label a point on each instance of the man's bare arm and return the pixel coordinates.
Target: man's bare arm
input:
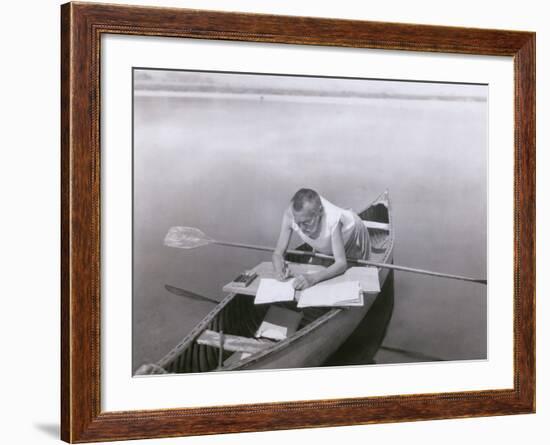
(337, 268)
(278, 258)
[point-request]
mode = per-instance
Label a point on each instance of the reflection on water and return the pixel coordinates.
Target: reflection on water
(229, 167)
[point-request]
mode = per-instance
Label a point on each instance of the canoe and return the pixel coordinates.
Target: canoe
(224, 339)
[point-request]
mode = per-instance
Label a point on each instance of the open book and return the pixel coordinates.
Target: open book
(334, 292)
(367, 276)
(345, 293)
(327, 293)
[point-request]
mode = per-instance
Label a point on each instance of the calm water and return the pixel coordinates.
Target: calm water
(229, 167)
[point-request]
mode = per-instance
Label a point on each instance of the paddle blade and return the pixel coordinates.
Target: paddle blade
(186, 238)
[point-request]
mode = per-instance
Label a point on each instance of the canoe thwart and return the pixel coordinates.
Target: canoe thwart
(376, 225)
(233, 343)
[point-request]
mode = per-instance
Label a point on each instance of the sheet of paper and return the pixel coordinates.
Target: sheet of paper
(367, 277)
(270, 330)
(279, 323)
(331, 294)
(265, 270)
(271, 290)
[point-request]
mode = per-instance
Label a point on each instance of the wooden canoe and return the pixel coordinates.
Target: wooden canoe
(235, 319)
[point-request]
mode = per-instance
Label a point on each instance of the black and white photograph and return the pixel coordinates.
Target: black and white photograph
(288, 221)
(275, 222)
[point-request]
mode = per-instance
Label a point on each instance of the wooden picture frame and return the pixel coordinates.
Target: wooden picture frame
(82, 26)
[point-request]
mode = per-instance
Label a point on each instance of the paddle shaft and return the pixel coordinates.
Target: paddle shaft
(362, 262)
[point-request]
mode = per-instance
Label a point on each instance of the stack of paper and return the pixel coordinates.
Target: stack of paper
(345, 293)
(367, 277)
(271, 290)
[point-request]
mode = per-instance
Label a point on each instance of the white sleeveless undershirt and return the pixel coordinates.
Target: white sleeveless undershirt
(331, 217)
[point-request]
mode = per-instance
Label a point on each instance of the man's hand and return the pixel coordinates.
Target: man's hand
(284, 273)
(303, 281)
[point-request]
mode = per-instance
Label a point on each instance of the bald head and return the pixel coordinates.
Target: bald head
(305, 198)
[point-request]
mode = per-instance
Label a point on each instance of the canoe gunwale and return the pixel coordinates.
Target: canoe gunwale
(194, 333)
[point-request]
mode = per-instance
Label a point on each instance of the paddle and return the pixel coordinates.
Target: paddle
(191, 237)
(186, 293)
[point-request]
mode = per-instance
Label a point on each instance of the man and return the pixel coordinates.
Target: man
(327, 229)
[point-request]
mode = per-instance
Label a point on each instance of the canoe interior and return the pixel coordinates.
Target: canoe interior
(237, 314)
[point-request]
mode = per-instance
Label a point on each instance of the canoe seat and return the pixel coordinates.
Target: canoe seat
(376, 225)
(233, 343)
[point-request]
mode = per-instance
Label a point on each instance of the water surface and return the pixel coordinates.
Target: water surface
(227, 159)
